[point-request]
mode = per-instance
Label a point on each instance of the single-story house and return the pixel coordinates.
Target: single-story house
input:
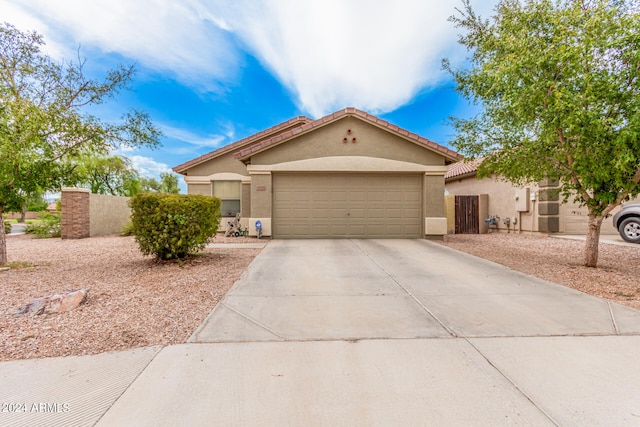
(532, 208)
(348, 174)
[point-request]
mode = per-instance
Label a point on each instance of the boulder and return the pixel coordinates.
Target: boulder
(64, 301)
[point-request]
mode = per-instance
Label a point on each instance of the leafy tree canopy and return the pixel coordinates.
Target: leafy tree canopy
(44, 119)
(557, 83)
(168, 184)
(112, 175)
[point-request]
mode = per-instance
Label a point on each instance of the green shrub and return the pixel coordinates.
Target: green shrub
(7, 228)
(47, 226)
(173, 225)
(127, 229)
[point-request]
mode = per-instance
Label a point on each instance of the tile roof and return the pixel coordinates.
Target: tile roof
(306, 127)
(463, 167)
(300, 120)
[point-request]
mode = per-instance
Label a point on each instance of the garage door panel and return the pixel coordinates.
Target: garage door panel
(347, 205)
(412, 213)
(320, 196)
(338, 196)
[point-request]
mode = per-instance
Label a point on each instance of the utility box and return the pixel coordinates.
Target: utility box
(522, 198)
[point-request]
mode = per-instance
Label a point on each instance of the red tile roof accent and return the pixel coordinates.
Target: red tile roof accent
(350, 111)
(463, 167)
(300, 120)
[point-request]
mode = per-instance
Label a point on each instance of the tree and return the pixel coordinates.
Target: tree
(557, 83)
(168, 184)
(113, 175)
(44, 120)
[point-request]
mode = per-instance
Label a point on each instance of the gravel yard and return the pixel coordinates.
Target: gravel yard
(617, 277)
(135, 301)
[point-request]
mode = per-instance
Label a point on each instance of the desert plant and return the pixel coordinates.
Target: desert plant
(47, 226)
(171, 226)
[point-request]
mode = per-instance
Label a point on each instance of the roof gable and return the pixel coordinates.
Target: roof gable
(245, 153)
(264, 134)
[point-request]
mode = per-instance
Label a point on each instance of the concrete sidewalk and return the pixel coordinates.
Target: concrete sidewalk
(362, 332)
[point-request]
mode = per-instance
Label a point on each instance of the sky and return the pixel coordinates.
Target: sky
(211, 72)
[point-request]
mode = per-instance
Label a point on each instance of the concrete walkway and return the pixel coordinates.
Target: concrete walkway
(362, 332)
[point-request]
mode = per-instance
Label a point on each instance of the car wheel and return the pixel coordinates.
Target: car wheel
(630, 229)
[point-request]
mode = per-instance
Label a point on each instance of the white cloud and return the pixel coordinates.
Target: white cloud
(159, 34)
(374, 55)
(148, 167)
(336, 53)
(208, 141)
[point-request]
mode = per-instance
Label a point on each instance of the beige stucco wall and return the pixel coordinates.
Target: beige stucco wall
(433, 204)
(328, 141)
(245, 202)
(500, 201)
(224, 163)
(261, 193)
(107, 214)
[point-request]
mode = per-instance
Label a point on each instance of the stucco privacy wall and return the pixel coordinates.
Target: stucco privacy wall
(107, 214)
(84, 214)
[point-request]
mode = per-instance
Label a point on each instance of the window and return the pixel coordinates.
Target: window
(229, 193)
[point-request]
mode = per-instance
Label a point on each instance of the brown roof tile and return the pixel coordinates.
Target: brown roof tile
(300, 120)
(452, 155)
(463, 167)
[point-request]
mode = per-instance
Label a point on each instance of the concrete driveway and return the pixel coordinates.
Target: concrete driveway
(394, 332)
(364, 332)
(368, 289)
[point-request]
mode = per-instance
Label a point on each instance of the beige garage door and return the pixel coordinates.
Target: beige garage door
(347, 205)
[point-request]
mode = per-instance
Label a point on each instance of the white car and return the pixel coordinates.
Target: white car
(627, 222)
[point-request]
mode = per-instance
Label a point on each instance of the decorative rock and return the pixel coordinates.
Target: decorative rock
(64, 301)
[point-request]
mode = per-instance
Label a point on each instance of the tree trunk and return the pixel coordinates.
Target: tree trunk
(593, 240)
(3, 241)
(23, 215)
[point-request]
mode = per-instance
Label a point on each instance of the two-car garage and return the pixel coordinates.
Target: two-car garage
(321, 205)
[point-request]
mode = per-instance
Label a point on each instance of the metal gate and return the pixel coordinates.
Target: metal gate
(467, 217)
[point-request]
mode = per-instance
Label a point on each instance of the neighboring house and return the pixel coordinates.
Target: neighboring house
(349, 174)
(533, 208)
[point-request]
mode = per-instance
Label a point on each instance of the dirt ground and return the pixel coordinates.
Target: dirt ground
(135, 301)
(617, 277)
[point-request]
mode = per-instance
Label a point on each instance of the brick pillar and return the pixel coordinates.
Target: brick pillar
(549, 207)
(75, 213)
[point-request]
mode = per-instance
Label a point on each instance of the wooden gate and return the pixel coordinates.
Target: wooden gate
(467, 218)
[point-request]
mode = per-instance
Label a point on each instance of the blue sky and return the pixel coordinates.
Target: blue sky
(211, 72)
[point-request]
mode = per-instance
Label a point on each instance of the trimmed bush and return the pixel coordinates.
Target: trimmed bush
(171, 226)
(7, 228)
